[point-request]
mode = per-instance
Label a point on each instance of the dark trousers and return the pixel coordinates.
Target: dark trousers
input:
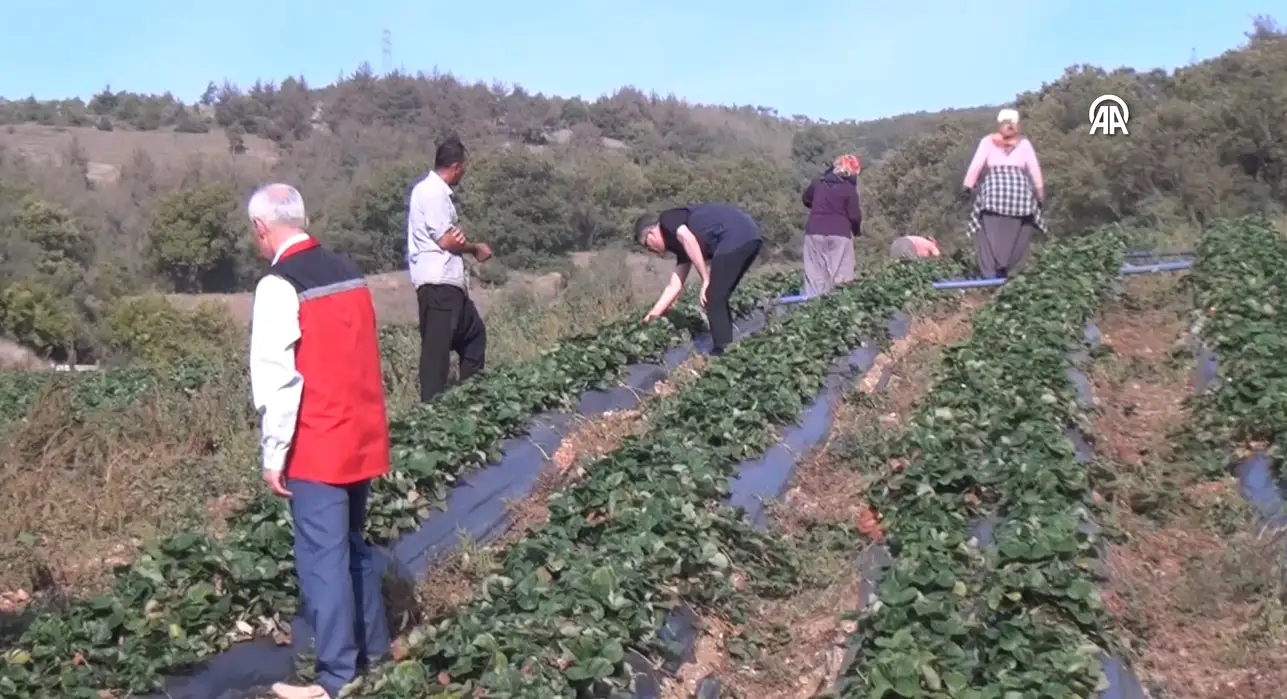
(338, 579)
(727, 270)
(449, 322)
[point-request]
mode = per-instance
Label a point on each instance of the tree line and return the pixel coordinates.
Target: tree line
(552, 175)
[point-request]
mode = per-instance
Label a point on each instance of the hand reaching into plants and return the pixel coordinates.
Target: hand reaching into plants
(482, 252)
(650, 317)
(276, 481)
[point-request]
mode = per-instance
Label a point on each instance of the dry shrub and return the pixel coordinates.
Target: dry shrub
(82, 486)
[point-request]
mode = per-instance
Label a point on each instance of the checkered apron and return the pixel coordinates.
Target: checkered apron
(1006, 190)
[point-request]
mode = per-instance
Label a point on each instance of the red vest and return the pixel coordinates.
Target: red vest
(342, 435)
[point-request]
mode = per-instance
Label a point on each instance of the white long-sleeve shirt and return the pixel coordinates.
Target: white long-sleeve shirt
(276, 386)
(430, 214)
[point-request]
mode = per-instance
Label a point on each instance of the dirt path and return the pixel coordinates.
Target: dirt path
(1193, 588)
(802, 638)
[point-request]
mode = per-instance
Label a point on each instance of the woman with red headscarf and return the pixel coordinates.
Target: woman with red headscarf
(835, 217)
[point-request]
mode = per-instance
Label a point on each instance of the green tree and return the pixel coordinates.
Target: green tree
(193, 239)
(34, 314)
(517, 201)
(372, 228)
(814, 147)
(150, 328)
(65, 250)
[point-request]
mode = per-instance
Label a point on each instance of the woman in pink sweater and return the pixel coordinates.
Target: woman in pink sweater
(1008, 199)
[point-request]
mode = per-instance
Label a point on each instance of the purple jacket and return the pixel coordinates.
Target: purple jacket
(833, 204)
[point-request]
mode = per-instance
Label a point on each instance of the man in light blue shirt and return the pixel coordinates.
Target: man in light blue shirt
(449, 321)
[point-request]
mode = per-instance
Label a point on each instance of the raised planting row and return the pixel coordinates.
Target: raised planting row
(465, 428)
(646, 527)
(1240, 284)
(1023, 618)
(187, 597)
(762, 480)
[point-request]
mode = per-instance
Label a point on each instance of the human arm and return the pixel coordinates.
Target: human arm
(853, 208)
(433, 218)
(976, 164)
(693, 251)
(276, 385)
(455, 242)
(672, 291)
(1033, 166)
(807, 197)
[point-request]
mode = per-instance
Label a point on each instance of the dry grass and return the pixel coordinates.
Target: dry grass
(109, 151)
(830, 488)
(79, 496)
(1193, 587)
(603, 280)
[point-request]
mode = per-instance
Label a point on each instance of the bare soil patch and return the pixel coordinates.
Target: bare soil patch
(1141, 388)
(1193, 587)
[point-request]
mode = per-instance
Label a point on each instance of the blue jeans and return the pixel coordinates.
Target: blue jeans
(338, 579)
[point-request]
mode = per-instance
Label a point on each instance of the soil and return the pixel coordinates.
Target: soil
(827, 490)
(1140, 391)
(1193, 587)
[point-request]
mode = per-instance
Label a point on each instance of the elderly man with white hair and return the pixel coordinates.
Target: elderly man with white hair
(315, 376)
(1007, 206)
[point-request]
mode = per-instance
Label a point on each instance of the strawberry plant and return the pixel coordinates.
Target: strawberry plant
(189, 596)
(646, 526)
(1020, 618)
(1240, 280)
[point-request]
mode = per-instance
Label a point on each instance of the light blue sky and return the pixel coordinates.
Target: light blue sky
(828, 59)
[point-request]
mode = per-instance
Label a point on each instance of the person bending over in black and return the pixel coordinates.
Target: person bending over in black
(720, 240)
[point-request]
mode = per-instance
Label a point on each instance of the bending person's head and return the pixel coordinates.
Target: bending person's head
(648, 233)
(1008, 126)
(276, 212)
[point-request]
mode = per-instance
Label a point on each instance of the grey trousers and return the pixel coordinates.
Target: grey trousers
(1003, 244)
(828, 261)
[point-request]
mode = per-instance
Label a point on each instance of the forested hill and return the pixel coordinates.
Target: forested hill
(128, 192)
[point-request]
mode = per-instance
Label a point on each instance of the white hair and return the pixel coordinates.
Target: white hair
(278, 204)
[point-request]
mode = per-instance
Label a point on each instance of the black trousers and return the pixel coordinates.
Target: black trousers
(449, 322)
(727, 270)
